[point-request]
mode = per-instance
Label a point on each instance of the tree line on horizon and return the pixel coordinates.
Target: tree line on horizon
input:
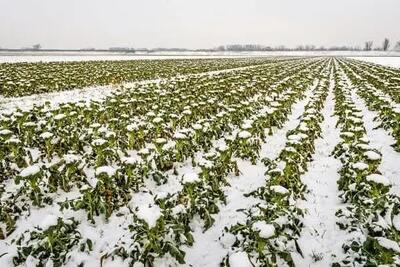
(368, 46)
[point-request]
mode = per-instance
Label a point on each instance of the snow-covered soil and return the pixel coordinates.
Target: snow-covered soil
(208, 250)
(13, 57)
(319, 239)
(85, 56)
(391, 61)
(382, 140)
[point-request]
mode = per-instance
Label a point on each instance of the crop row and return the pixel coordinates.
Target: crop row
(388, 111)
(383, 78)
(372, 214)
(272, 228)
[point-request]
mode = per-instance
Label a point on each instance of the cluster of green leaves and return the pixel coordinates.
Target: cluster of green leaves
(371, 209)
(281, 191)
(17, 79)
(51, 246)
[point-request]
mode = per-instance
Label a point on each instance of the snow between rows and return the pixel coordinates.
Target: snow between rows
(208, 250)
(321, 237)
(381, 140)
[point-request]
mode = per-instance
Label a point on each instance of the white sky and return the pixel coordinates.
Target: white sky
(196, 24)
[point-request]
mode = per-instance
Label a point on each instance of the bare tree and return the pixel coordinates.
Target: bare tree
(386, 44)
(397, 46)
(368, 46)
(36, 47)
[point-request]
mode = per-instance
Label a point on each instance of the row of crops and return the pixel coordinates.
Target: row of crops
(126, 181)
(19, 79)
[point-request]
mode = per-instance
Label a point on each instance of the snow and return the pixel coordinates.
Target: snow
(47, 221)
(110, 171)
(146, 209)
(13, 57)
(29, 171)
(70, 158)
(144, 151)
(190, 177)
(46, 135)
(212, 246)
(43, 56)
(391, 61)
(244, 135)
(99, 142)
(264, 229)
(5, 132)
(222, 147)
(372, 155)
(320, 234)
(382, 140)
(32, 261)
(388, 244)
(361, 166)
(396, 222)
(157, 120)
(180, 136)
(149, 214)
(379, 179)
(246, 126)
(197, 126)
(161, 141)
(239, 259)
(59, 117)
(279, 189)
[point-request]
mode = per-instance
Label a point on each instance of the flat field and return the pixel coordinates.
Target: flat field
(261, 161)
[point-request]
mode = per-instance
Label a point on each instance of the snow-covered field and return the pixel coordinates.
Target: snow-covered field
(84, 56)
(288, 163)
(11, 57)
(391, 61)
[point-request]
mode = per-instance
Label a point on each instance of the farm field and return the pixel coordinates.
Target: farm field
(234, 162)
(390, 61)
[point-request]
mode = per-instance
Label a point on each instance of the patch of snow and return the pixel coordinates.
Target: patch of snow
(388, 244)
(396, 222)
(372, 155)
(379, 179)
(279, 189)
(264, 229)
(383, 60)
(320, 234)
(361, 166)
(239, 259)
(190, 177)
(110, 171)
(46, 135)
(30, 170)
(150, 214)
(145, 207)
(244, 135)
(382, 140)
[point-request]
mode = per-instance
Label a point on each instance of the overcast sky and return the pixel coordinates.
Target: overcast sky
(196, 24)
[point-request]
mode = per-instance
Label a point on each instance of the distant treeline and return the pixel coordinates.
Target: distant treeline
(368, 46)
